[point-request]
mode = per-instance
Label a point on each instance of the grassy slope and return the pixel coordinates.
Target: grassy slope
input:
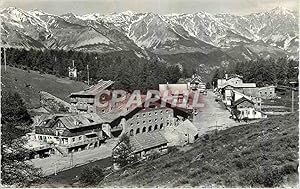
(260, 154)
(28, 84)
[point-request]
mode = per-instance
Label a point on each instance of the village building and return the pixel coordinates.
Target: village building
(244, 108)
(197, 83)
(176, 90)
(182, 134)
(147, 127)
(85, 101)
(69, 133)
(139, 119)
(227, 91)
(72, 71)
(267, 92)
(237, 95)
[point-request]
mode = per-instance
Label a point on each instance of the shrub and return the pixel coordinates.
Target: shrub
(91, 175)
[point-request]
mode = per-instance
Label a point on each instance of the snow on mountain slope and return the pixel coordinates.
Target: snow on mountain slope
(263, 34)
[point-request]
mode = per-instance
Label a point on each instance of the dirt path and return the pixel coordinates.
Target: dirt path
(213, 115)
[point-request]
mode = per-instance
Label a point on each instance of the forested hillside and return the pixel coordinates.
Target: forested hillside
(126, 68)
(262, 71)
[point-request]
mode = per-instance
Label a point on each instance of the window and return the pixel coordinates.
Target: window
(150, 120)
(144, 129)
(161, 112)
(80, 138)
(137, 123)
(131, 132)
(40, 138)
(149, 113)
(155, 127)
(162, 119)
(137, 116)
(167, 111)
(270, 92)
(161, 125)
(137, 130)
(155, 120)
(150, 129)
(144, 122)
(254, 112)
(144, 115)
(155, 113)
(131, 124)
(73, 139)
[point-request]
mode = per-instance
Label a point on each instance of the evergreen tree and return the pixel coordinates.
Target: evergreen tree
(15, 122)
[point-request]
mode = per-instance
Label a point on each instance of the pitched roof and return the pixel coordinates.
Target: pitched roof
(146, 141)
(197, 79)
(81, 120)
(241, 85)
(95, 89)
(172, 87)
(239, 101)
(187, 126)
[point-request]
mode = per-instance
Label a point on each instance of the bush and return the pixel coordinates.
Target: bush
(91, 175)
(173, 149)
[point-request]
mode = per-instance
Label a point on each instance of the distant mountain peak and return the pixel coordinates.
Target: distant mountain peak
(281, 11)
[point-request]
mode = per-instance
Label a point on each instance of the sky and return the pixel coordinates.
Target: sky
(81, 7)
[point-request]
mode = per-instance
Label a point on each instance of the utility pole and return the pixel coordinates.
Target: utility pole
(292, 101)
(293, 94)
(88, 74)
(4, 59)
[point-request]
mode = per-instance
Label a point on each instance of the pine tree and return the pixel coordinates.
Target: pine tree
(15, 122)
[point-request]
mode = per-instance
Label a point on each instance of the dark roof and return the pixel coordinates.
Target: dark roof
(95, 89)
(197, 79)
(81, 120)
(239, 101)
(146, 141)
(122, 111)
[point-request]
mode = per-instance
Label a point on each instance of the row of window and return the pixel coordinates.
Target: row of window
(149, 114)
(146, 130)
(266, 92)
(50, 137)
(144, 122)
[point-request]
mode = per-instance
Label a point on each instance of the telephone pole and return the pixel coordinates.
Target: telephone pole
(293, 93)
(88, 74)
(4, 59)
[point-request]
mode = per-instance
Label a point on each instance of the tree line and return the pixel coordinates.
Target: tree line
(125, 68)
(262, 71)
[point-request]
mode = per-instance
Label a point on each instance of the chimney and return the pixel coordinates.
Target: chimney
(226, 76)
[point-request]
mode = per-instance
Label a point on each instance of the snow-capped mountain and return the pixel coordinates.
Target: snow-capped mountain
(271, 33)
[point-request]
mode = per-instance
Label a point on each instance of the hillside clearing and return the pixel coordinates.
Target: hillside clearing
(29, 83)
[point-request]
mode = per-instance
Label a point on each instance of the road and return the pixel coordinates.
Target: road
(213, 115)
(58, 163)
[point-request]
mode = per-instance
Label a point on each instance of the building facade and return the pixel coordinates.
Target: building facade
(70, 132)
(86, 101)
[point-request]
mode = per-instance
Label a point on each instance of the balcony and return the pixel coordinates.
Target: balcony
(82, 107)
(85, 141)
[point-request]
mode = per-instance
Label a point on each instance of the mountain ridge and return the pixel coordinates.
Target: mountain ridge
(271, 33)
